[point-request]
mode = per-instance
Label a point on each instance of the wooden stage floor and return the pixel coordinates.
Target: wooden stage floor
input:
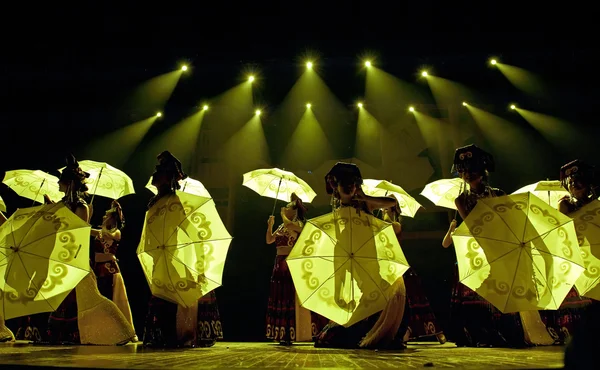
(263, 355)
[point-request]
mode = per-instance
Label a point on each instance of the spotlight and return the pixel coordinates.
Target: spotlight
(205, 108)
(308, 106)
(251, 78)
(424, 74)
(309, 65)
(465, 104)
(159, 114)
(368, 63)
(412, 109)
(493, 62)
(513, 107)
(360, 105)
(257, 112)
(184, 68)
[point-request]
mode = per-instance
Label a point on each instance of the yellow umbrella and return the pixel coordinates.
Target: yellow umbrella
(33, 184)
(2, 205)
(106, 180)
(383, 188)
(444, 192)
(183, 248)
(344, 263)
(587, 226)
(44, 254)
(278, 184)
(518, 253)
(550, 191)
(188, 185)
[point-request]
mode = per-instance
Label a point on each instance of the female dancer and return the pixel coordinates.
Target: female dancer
(168, 324)
(476, 322)
(381, 330)
(108, 274)
(85, 316)
(577, 177)
(422, 322)
(287, 321)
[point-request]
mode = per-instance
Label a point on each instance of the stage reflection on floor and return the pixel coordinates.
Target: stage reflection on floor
(236, 355)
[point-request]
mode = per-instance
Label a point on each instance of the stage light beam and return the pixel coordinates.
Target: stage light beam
(257, 112)
(493, 62)
(464, 104)
(205, 108)
(184, 68)
(412, 109)
(308, 105)
(360, 105)
(424, 74)
(309, 65)
(158, 114)
(251, 79)
(367, 63)
(513, 107)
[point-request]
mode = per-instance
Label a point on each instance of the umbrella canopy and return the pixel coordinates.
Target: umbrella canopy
(587, 226)
(106, 180)
(444, 192)
(33, 184)
(550, 191)
(383, 188)
(2, 205)
(44, 253)
(344, 263)
(278, 184)
(188, 185)
(183, 248)
(518, 253)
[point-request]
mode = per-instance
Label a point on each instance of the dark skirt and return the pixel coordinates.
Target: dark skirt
(62, 323)
(563, 322)
(477, 323)
(160, 329)
(281, 307)
(422, 322)
(32, 328)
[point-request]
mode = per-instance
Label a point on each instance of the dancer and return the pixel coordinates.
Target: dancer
(421, 319)
(287, 321)
(577, 177)
(168, 324)
(105, 245)
(475, 321)
(384, 329)
(85, 316)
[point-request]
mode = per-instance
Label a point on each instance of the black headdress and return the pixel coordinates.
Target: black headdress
(170, 166)
(471, 158)
(72, 172)
(580, 171)
(342, 173)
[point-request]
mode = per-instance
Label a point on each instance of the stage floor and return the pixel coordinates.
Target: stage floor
(261, 355)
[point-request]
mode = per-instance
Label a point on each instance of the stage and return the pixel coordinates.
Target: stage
(261, 355)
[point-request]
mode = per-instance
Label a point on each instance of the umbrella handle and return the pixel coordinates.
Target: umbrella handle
(38, 192)
(96, 185)
(276, 195)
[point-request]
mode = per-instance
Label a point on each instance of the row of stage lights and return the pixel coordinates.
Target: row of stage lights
(309, 65)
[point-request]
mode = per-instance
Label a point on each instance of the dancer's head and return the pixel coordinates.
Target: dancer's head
(72, 178)
(168, 172)
(473, 164)
(579, 179)
(294, 210)
(113, 218)
(343, 180)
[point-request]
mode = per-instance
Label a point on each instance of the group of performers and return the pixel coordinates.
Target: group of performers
(97, 310)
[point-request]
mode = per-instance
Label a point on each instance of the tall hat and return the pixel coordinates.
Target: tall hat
(170, 166)
(72, 172)
(578, 170)
(344, 173)
(471, 158)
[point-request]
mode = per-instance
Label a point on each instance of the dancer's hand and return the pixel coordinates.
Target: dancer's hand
(47, 199)
(452, 225)
(271, 221)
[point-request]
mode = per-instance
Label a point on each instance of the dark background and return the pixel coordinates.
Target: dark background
(65, 74)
